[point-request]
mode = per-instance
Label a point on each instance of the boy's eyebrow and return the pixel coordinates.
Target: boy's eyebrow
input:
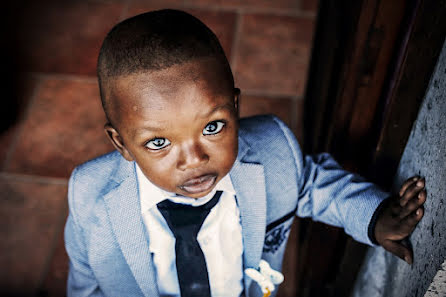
(151, 128)
(157, 129)
(217, 108)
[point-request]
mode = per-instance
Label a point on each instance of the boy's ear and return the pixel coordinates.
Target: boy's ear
(237, 101)
(117, 141)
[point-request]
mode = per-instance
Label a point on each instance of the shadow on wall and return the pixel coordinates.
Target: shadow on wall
(425, 154)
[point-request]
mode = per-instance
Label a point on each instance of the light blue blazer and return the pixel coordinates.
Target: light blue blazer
(108, 245)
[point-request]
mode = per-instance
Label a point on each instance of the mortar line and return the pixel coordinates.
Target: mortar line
(34, 178)
(236, 40)
(267, 94)
(295, 121)
(125, 10)
(62, 76)
(251, 10)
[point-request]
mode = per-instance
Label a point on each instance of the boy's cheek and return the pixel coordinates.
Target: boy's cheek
(161, 178)
(232, 151)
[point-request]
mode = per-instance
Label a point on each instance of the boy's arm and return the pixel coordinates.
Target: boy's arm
(337, 197)
(81, 280)
(329, 194)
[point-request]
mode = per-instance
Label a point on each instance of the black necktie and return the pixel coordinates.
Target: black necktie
(185, 221)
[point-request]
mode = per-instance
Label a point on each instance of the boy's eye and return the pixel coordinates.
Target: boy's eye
(157, 143)
(213, 127)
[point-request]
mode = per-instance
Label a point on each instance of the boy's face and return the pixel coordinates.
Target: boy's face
(179, 125)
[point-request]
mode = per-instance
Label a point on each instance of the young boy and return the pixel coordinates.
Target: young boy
(193, 197)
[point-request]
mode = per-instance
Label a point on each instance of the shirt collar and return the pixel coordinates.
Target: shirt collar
(150, 194)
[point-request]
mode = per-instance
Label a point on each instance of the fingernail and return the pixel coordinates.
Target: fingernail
(420, 183)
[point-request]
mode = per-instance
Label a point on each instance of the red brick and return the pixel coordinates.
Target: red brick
(55, 281)
(254, 105)
(141, 6)
(273, 54)
(64, 128)
(6, 139)
(64, 36)
(266, 5)
(281, 107)
(309, 5)
(14, 113)
(31, 215)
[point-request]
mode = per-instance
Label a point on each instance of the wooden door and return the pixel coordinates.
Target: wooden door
(371, 64)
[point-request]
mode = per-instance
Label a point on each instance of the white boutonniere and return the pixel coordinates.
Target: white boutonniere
(265, 277)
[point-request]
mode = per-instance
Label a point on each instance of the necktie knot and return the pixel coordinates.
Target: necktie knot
(185, 220)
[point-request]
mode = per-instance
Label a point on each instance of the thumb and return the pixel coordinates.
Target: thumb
(399, 250)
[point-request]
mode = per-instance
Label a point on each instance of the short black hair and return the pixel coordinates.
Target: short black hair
(154, 41)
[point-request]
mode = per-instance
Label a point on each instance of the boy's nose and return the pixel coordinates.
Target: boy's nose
(192, 156)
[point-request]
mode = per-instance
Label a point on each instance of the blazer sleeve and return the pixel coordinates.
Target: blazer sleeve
(331, 195)
(81, 279)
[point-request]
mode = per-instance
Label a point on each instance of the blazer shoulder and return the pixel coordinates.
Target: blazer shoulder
(98, 168)
(91, 180)
(270, 141)
(266, 132)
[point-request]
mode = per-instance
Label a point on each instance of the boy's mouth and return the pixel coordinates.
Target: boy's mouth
(199, 184)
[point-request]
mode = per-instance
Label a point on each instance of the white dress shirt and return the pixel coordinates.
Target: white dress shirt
(220, 238)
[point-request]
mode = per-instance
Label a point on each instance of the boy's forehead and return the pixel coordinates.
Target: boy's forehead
(185, 86)
(149, 88)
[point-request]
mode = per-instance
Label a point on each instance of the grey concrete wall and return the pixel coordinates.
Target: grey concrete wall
(438, 285)
(382, 274)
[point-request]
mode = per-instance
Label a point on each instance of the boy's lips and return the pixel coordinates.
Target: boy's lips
(199, 184)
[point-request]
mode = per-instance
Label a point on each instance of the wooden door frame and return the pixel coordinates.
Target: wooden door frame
(371, 64)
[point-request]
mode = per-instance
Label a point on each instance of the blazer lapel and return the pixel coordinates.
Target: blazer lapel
(249, 183)
(124, 209)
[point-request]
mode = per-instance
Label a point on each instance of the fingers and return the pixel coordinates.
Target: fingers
(407, 183)
(411, 191)
(413, 204)
(399, 250)
(409, 223)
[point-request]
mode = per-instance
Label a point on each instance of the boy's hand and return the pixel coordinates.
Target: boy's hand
(399, 218)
